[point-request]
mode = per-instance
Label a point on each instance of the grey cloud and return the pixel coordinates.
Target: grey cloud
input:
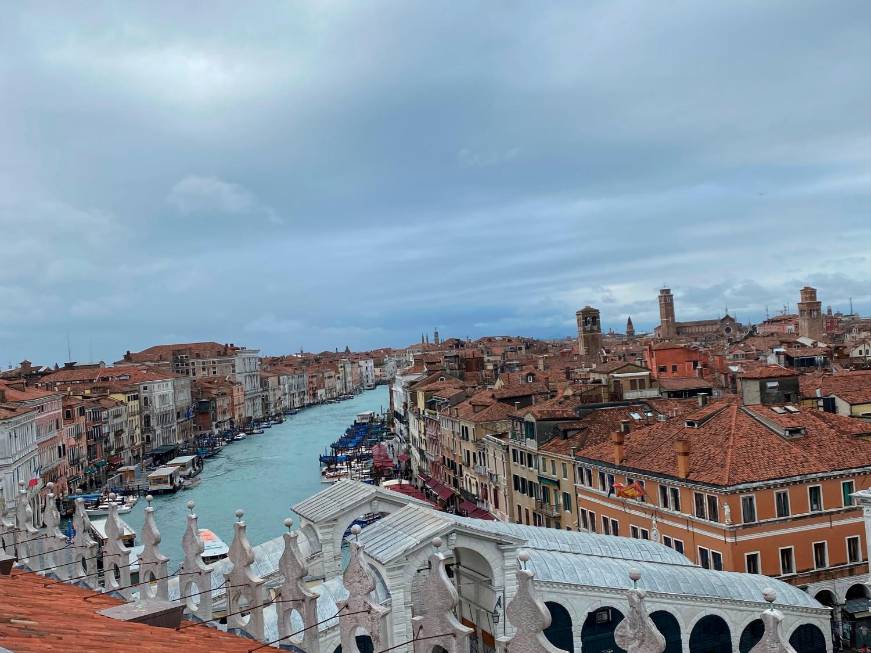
(332, 172)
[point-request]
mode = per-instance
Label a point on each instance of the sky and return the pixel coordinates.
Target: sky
(292, 175)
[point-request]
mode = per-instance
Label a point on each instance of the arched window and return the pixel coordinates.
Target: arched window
(597, 635)
(711, 635)
(667, 624)
(559, 633)
(751, 635)
(807, 638)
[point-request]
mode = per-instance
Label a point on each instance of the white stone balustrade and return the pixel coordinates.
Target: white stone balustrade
(153, 565)
(244, 587)
(358, 614)
(195, 581)
(84, 556)
(296, 596)
(116, 555)
(439, 626)
(529, 616)
(637, 633)
(26, 534)
(772, 640)
(54, 559)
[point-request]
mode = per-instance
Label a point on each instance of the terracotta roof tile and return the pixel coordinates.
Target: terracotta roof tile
(35, 619)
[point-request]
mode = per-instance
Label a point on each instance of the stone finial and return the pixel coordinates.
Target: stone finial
(772, 640)
(245, 588)
(153, 565)
(529, 616)
(360, 583)
(25, 532)
(116, 555)
(300, 598)
(637, 633)
(196, 576)
(84, 556)
(53, 558)
(439, 626)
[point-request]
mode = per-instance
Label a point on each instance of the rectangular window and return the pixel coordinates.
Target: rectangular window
(615, 527)
(717, 560)
(585, 524)
(704, 558)
(781, 501)
(565, 470)
(552, 467)
(713, 508)
(661, 368)
(514, 456)
(633, 532)
(516, 483)
(853, 551)
(667, 541)
(606, 525)
(699, 500)
(675, 498)
(821, 555)
(663, 496)
(567, 502)
(588, 476)
(603, 482)
(847, 489)
(751, 563)
(593, 521)
(787, 561)
(678, 546)
(815, 498)
(748, 509)
(645, 534)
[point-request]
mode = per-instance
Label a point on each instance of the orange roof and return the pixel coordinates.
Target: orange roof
(732, 444)
(767, 372)
(36, 619)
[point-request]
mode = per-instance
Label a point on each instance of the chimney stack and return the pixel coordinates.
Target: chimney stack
(618, 441)
(574, 452)
(682, 449)
(625, 426)
(703, 399)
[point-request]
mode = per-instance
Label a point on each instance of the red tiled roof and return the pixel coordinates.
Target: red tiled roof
(35, 619)
(684, 383)
(768, 372)
(732, 445)
(852, 387)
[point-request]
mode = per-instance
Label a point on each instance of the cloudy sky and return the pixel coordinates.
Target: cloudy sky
(312, 175)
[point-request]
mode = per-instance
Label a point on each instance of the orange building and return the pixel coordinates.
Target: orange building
(760, 489)
(666, 361)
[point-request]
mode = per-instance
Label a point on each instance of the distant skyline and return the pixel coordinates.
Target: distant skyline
(330, 174)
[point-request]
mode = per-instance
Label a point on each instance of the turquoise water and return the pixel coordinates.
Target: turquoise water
(263, 475)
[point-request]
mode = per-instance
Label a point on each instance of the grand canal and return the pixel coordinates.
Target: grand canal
(263, 475)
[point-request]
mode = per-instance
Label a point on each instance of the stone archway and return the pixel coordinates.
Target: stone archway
(473, 577)
(857, 591)
(597, 634)
(751, 635)
(711, 635)
(668, 625)
(807, 638)
(559, 633)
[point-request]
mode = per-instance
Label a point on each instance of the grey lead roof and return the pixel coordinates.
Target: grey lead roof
(584, 559)
(328, 503)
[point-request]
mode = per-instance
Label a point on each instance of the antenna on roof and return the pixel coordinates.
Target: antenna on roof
(69, 352)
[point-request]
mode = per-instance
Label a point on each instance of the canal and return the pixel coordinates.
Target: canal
(263, 475)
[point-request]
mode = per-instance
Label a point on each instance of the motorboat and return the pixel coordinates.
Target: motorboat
(190, 483)
(255, 431)
(239, 436)
(164, 479)
(101, 508)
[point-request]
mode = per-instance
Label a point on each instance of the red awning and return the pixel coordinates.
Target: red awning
(380, 457)
(403, 457)
(441, 490)
(409, 490)
(469, 509)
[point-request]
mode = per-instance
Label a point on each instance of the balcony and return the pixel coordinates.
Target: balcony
(481, 470)
(646, 393)
(548, 509)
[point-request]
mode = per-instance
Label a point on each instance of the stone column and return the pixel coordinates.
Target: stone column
(196, 576)
(153, 565)
(244, 585)
(296, 595)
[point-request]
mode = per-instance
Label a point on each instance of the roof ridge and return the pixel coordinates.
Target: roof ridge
(731, 447)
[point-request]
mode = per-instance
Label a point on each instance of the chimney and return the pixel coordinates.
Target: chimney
(682, 449)
(625, 426)
(541, 363)
(618, 441)
(703, 399)
(574, 452)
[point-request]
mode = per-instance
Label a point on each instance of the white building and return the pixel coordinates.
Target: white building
(367, 372)
(19, 457)
(248, 374)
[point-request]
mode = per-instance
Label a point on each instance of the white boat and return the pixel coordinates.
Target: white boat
(239, 436)
(102, 510)
(256, 431)
(189, 483)
(164, 479)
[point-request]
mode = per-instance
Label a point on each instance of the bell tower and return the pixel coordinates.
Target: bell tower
(667, 323)
(589, 332)
(810, 314)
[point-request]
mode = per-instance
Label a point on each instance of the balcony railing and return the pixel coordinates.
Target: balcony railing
(481, 470)
(549, 509)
